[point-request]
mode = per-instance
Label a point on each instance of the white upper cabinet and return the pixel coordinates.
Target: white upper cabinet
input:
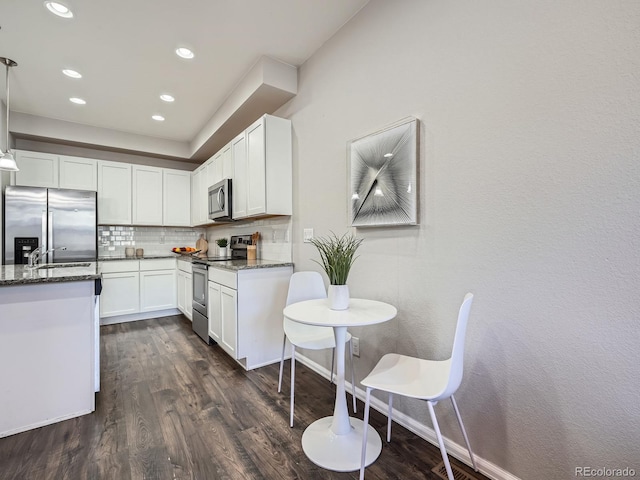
(262, 160)
(114, 193)
(256, 175)
(78, 173)
(147, 195)
(227, 162)
(196, 204)
(239, 185)
(56, 171)
(176, 188)
(214, 169)
(36, 169)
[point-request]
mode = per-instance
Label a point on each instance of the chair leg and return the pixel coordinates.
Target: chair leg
(284, 343)
(390, 414)
(464, 432)
(365, 430)
(353, 378)
(443, 451)
(293, 379)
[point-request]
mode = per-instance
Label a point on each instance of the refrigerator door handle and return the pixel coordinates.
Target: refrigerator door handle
(43, 245)
(50, 237)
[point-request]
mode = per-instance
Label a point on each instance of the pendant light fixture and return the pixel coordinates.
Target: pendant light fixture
(7, 162)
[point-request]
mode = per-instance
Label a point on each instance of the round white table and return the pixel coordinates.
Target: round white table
(335, 442)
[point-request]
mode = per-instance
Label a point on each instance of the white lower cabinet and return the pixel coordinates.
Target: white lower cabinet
(120, 294)
(215, 312)
(245, 313)
(157, 290)
(184, 279)
(137, 287)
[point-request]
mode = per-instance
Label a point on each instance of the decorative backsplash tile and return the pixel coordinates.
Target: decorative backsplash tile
(112, 240)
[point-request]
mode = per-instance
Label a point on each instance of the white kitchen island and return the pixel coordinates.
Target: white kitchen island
(48, 357)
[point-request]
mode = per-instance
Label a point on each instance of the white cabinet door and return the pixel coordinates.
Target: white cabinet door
(157, 290)
(36, 169)
(120, 294)
(214, 170)
(189, 296)
(114, 193)
(185, 293)
(147, 195)
(239, 155)
(229, 314)
(181, 291)
(195, 192)
(227, 162)
(78, 173)
(256, 175)
(215, 312)
(199, 203)
(176, 188)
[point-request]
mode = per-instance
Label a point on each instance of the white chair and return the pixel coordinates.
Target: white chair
(309, 286)
(428, 380)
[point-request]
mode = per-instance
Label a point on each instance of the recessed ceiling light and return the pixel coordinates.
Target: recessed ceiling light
(388, 155)
(59, 9)
(78, 101)
(158, 118)
(184, 52)
(71, 73)
(166, 97)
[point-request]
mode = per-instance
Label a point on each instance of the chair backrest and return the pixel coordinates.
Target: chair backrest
(305, 286)
(457, 352)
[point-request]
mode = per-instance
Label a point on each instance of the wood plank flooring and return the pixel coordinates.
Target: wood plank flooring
(172, 408)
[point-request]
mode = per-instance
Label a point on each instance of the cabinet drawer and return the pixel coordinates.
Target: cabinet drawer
(185, 266)
(224, 277)
(116, 266)
(157, 264)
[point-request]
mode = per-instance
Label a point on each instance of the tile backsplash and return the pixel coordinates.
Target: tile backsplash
(112, 240)
(275, 236)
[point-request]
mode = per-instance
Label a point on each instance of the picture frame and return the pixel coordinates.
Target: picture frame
(383, 176)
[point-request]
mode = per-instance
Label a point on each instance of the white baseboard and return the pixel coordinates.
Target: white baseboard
(454, 449)
(139, 316)
(44, 423)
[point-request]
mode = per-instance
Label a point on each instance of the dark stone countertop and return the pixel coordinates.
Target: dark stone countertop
(144, 257)
(236, 265)
(22, 275)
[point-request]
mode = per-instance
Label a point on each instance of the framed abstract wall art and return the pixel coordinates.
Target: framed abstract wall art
(383, 169)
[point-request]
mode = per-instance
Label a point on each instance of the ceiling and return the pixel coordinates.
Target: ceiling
(125, 51)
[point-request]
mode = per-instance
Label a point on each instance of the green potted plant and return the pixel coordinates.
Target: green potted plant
(222, 246)
(337, 255)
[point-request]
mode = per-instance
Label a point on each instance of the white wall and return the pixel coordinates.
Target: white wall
(530, 196)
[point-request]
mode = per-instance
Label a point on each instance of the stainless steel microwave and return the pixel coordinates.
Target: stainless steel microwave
(220, 201)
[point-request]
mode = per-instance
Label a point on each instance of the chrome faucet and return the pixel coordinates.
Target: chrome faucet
(36, 255)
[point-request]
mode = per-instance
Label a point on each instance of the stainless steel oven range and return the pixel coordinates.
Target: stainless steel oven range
(200, 283)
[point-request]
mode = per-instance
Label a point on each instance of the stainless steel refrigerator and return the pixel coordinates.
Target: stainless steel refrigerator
(49, 218)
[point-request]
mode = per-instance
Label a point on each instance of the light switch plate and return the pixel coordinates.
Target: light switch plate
(307, 235)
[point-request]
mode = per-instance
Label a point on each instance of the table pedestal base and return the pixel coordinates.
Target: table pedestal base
(340, 453)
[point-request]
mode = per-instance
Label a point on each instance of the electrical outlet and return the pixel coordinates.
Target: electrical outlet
(307, 235)
(355, 341)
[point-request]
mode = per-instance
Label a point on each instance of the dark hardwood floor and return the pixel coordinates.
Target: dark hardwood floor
(172, 408)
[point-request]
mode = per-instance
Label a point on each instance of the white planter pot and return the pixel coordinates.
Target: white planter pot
(338, 297)
(222, 251)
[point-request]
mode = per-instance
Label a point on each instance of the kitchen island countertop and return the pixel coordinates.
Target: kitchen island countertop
(22, 275)
(236, 265)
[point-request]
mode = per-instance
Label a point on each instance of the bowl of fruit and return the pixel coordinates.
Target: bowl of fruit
(184, 250)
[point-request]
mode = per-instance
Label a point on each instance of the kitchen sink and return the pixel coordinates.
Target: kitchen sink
(63, 265)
